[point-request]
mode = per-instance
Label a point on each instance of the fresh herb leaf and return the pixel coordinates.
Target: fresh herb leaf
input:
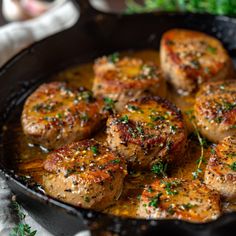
(211, 49)
(139, 129)
(187, 206)
(113, 58)
(87, 199)
(233, 154)
(171, 209)
(22, 229)
(203, 143)
(196, 173)
(87, 96)
(109, 104)
(95, 150)
(155, 201)
(116, 161)
(69, 172)
(170, 187)
(233, 166)
(134, 108)
(124, 119)
(156, 118)
(159, 169)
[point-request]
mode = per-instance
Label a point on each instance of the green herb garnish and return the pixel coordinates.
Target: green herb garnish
(94, 149)
(233, 166)
(159, 169)
(59, 115)
(113, 58)
(22, 229)
(87, 96)
(156, 118)
(87, 199)
(69, 172)
(155, 201)
(109, 104)
(139, 129)
(202, 142)
(169, 187)
(124, 119)
(211, 49)
(116, 161)
(134, 108)
(187, 206)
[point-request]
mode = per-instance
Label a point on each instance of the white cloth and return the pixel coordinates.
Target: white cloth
(18, 35)
(13, 38)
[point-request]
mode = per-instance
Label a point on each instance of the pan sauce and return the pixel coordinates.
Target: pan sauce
(29, 158)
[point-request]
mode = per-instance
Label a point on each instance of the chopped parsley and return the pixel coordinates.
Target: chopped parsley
(134, 108)
(155, 201)
(169, 187)
(187, 206)
(173, 129)
(169, 42)
(109, 104)
(218, 119)
(233, 154)
(43, 107)
(69, 172)
(213, 151)
(59, 115)
(124, 119)
(195, 64)
(196, 173)
(159, 169)
(116, 161)
(113, 58)
(171, 210)
(87, 199)
(233, 166)
(211, 49)
(87, 96)
(156, 118)
(95, 150)
(139, 129)
(228, 106)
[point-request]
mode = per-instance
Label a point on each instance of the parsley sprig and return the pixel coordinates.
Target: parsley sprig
(159, 169)
(202, 143)
(22, 229)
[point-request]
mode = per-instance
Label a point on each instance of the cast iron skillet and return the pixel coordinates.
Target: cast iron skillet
(96, 34)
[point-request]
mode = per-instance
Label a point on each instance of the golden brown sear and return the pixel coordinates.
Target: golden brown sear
(220, 172)
(84, 174)
(56, 114)
(149, 130)
(122, 79)
(215, 110)
(173, 198)
(190, 58)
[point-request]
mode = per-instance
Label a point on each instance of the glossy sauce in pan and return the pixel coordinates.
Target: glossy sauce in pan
(28, 158)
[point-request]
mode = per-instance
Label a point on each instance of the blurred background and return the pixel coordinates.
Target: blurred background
(219, 7)
(25, 9)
